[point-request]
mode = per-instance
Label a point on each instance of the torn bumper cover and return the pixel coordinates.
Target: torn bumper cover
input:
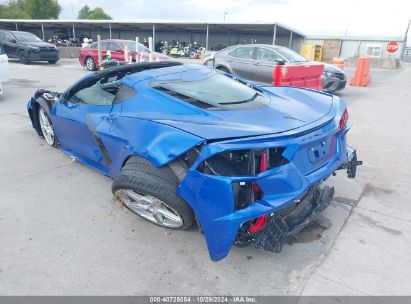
(288, 195)
(281, 227)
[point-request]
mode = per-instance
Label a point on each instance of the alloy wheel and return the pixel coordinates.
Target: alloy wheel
(151, 208)
(46, 127)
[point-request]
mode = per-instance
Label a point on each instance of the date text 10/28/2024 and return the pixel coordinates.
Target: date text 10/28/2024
(203, 299)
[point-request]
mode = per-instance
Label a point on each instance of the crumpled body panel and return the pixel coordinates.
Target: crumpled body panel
(281, 186)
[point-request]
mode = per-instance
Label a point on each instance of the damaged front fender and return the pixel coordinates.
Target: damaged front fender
(123, 137)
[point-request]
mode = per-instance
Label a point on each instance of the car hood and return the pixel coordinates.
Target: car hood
(288, 109)
(37, 44)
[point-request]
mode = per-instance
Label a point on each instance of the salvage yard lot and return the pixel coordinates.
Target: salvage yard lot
(62, 233)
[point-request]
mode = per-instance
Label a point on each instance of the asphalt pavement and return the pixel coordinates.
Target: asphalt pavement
(61, 233)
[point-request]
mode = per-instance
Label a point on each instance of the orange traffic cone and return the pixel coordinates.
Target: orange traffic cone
(362, 75)
(338, 62)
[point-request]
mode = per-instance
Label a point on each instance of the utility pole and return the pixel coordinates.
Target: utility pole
(405, 40)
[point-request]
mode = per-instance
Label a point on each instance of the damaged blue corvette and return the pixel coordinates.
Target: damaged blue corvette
(186, 144)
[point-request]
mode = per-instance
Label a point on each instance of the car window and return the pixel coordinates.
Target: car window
(113, 46)
(243, 52)
(10, 38)
(264, 54)
(124, 93)
(215, 92)
(26, 37)
(101, 93)
(290, 55)
(104, 45)
(93, 45)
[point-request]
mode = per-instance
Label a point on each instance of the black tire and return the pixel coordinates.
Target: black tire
(55, 141)
(223, 69)
(140, 176)
(52, 61)
(90, 64)
(24, 59)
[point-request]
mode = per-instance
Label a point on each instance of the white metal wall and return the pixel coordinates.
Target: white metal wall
(351, 48)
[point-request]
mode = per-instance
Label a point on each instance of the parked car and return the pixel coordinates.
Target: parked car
(255, 62)
(4, 68)
(187, 143)
(27, 47)
(89, 54)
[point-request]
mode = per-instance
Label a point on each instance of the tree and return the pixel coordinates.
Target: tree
(30, 9)
(95, 14)
(14, 9)
(43, 9)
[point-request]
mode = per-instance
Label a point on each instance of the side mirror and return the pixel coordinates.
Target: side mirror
(280, 61)
(119, 50)
(12, 40)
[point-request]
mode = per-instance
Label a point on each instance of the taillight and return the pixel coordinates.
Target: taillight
(259, 223)
(263, 164)
(344, 119)
(243, 162)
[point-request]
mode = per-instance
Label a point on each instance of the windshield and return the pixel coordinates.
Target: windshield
(217, 91)
(290, 55)
(132, 46)
(26, 37)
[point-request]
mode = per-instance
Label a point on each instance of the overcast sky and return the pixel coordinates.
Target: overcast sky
(354, 17)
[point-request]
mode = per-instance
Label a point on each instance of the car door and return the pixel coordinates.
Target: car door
(92, 50)
(264, 64)
(116, 50)
(241, 61)
(74, 116)
(10, 45)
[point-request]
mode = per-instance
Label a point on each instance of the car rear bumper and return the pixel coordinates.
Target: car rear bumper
(212, 198)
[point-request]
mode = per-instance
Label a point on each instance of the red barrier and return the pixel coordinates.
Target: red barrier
(304, 76)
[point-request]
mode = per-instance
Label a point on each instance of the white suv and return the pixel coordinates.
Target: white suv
(4, 68)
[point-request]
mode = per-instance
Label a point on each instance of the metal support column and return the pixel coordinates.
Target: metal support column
(42, 31)
(74, 32)
(109, 28)
(291, 40)
(275, 33)
(206, 46)
(154, 35)
(17, 28)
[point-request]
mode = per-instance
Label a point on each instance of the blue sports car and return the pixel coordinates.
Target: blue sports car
(187, 143)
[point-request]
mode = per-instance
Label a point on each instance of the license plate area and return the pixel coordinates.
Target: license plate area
(321, 151)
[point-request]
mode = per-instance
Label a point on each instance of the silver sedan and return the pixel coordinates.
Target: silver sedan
(255, 62)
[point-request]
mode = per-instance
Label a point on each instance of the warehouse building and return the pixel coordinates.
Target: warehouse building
(347, 46)
(213, 35)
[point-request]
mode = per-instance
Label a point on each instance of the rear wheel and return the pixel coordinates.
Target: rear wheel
(24, 59)
(150, 192)
(90, 64)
